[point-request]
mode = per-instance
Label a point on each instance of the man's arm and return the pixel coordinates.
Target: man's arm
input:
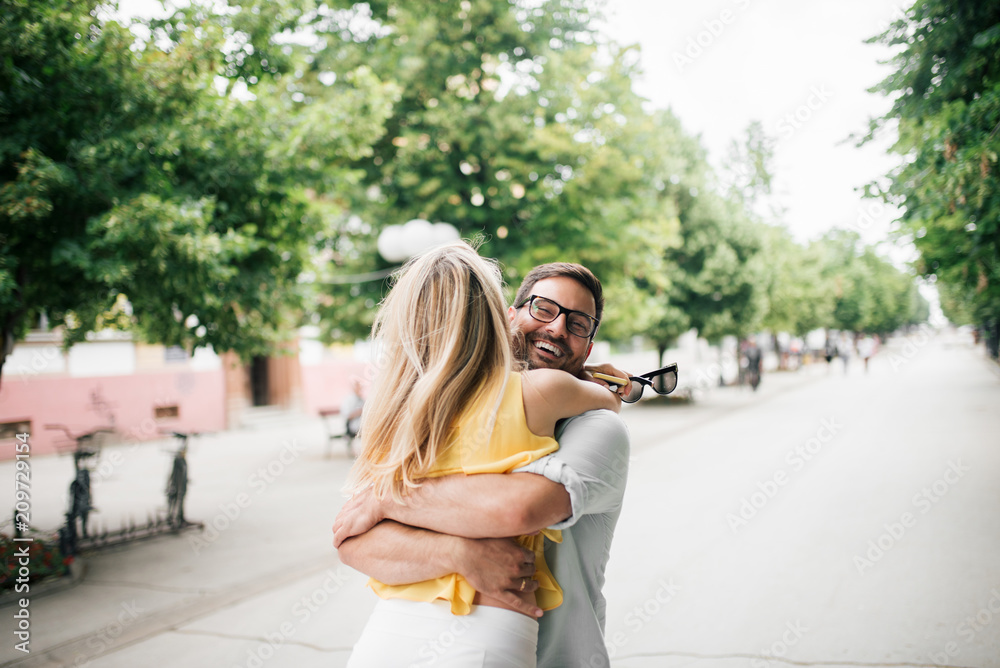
(397, 554)
(486, 505)
(591, 464)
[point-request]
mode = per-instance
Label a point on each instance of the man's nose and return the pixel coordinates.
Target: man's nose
(558, 326)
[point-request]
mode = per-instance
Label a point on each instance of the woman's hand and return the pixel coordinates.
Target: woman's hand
(361, 512)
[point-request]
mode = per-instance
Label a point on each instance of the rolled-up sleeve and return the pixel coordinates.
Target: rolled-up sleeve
(591, 463)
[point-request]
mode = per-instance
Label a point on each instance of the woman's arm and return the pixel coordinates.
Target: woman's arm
(487, 505)
(550, 395)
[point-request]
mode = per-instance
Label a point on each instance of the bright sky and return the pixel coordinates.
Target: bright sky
(801, 68)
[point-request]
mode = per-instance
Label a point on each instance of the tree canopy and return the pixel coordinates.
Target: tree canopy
(134, 190)
(946, 108)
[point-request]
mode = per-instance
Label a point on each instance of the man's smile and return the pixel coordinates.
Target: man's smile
(547, 347)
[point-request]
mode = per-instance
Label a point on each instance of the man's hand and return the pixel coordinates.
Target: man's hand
(498, 567)
(361, 512)
(590, 369)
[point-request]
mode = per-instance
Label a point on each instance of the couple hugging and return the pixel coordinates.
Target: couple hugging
(501, 396)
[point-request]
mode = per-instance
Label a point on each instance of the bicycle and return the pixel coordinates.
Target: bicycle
(80, 500)
(177, 482)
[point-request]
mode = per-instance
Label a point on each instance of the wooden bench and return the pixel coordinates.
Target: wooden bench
(336, 429)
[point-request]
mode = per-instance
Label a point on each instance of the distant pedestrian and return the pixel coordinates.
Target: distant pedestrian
(830, 350)
(844, 348)
(351, 408)
(753, 365)
(866, 348)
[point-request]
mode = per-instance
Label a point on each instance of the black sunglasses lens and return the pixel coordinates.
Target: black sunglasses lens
(635, 393)
(663, 381)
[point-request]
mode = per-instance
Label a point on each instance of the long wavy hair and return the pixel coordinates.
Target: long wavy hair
(444, 345)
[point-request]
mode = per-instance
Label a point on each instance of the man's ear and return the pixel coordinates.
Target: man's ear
(590, 346)
(511, 314)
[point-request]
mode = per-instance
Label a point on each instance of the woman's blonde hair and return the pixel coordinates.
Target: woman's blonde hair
(445, 345)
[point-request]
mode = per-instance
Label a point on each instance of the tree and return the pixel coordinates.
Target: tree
(457, 147)
(870, 294)
(133, 193)
(946, 100)
(746, 175)
(515, 127)
(798, 298)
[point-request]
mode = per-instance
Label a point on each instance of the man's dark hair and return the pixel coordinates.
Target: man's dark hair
(577, 272)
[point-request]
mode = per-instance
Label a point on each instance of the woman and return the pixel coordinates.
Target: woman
(449, 400)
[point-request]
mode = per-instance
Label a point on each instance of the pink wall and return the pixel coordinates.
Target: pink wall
(326, 384)
(83, 404)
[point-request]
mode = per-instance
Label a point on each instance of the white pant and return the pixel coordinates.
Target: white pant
(410, 634)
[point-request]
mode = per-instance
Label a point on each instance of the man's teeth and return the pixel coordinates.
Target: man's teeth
(548, 347)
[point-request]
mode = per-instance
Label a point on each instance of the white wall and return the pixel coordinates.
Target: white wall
(34, 359)
(102, 358)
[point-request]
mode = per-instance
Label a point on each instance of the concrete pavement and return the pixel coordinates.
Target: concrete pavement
(830, 519)
(851, 522)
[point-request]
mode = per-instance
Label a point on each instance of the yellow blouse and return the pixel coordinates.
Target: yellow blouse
(510, 445)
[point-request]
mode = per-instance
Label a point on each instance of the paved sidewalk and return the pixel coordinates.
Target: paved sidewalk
(262, 575)
(263, 586)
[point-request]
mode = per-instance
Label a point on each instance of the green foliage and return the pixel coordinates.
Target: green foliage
(747, 173)
(720, 269)
(869, 293)
(799, 298)
(516, 129)
(125, 174)
(946, 91)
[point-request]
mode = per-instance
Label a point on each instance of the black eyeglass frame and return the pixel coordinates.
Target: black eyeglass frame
(646, 380)
(562, 309)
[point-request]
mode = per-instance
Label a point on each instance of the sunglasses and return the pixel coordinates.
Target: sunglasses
(663, 381)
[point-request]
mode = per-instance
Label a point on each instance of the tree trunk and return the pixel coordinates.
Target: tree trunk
(6, 348)
(992, 332)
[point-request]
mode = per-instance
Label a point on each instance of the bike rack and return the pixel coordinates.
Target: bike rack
(71, 545)
(158, 524)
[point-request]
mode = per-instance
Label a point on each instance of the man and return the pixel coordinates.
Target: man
(753, 363)
(458, 524)
(351, 408)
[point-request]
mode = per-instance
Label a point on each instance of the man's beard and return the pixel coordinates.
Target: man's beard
(521, 350)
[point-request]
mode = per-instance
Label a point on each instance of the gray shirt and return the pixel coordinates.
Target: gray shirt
(592, 464)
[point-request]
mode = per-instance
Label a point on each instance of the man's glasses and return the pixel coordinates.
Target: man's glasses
(578, 323)
(663, 381)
